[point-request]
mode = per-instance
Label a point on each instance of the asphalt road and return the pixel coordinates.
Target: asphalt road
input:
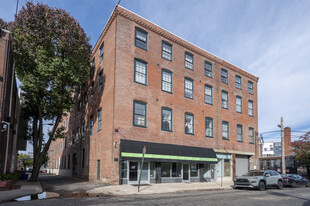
(288, 196)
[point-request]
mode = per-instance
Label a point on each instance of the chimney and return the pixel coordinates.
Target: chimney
(287, 141)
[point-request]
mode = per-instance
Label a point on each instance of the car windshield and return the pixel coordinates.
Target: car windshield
(254, 173)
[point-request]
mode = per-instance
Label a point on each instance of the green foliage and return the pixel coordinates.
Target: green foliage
(52, 59)
(26, 159)
(9, 176)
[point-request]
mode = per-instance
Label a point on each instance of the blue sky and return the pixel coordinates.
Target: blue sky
(269, 39)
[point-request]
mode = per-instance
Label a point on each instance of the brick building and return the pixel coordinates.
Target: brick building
(195, 113)
(10, 108)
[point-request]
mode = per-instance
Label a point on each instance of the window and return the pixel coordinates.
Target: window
(91, 125)
(238, 104)
(83, 130)
(79, 106)
(100, 82)
(251, 108)
(139, 115)
(124, 169)
(73, 138)
(189, 123)
(166, 52)
(176, 169)
(83, 158)
(92, 67)
(194, 170)
(239, 133)
(152, 169)
(208, 69)
(101, 50)
(91, 92)
(140, 72)
(250, 87)
(209, 127)
(84, 101)
(189, 88)
(238, 82)
(251, 135)
(189, 61)
(224, 99)
(166, 119)
(166, 81)
(226, 167)
(141, 38)
(165, 169)
(78, 134)
(208, 95)
(225, 130)
(99, 113)
(224, 76)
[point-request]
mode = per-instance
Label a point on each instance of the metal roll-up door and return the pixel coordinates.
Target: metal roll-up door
(242, 164)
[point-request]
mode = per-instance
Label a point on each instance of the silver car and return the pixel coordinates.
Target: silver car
(259, 179)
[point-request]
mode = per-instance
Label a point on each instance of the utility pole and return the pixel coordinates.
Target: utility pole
(282, 147)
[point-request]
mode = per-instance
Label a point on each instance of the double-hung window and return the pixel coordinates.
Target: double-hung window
(140, 72)
(209, 127)
(83, 130)
(239, 133)
(208, 69)
(189, 88)
(208, 95)
(166, 119)
(238, 82)
(99, 113)
(189, 123)
(225, 130)
(92, 67)
(251, 135)
(101, 51)
(139, 114)
(251, 108)
(91, 92)
(166, 52)
(189, 61)
(224, 99)
(250, 87)
(166, 81)
(100, 82)
(91, 125)
(224, 76)
(141, 38)
(238, 104)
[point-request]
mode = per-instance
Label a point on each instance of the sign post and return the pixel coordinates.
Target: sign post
(141, 167)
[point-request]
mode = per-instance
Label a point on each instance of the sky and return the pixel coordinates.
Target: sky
(269, 39)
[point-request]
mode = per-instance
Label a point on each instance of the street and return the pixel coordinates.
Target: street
(288, 196)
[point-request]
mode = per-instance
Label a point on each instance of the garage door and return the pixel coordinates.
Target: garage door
(242, 164)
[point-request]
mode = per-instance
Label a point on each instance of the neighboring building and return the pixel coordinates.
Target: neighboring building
(195, 113)
(10, 108)
(268, 149)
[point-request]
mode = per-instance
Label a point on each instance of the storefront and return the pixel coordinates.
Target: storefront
(165, 163)
(224, 167)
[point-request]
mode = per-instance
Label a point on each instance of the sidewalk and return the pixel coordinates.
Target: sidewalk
(119, 190)
(27, 188)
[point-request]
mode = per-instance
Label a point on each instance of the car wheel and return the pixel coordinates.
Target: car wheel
(294, 184)
(308, 184)
(261, 186)
(280, 185)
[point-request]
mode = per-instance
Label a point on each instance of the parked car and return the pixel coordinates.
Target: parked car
(294, 180)
(259, 179)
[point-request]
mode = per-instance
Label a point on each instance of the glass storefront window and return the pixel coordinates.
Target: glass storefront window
(194, 170)
(124, 169)
(152, 170)
(165, 169)
(176, 169)
(226, 167)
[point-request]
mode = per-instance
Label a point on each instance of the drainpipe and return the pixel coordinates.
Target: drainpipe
(10, 112)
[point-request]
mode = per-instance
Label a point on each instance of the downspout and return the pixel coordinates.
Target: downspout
(17, 112)
(10, 111)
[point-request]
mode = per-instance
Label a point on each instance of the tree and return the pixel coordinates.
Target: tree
(302, 150)
(52, 59)
(26, 159)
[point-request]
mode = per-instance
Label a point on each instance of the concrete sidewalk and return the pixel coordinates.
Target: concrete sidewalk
(27, 188)
(119, 190)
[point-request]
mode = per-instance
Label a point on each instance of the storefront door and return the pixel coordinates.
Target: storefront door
(213, 172)
(185, 173)
(133, 171)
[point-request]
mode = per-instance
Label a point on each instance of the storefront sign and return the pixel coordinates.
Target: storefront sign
(223, 156)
